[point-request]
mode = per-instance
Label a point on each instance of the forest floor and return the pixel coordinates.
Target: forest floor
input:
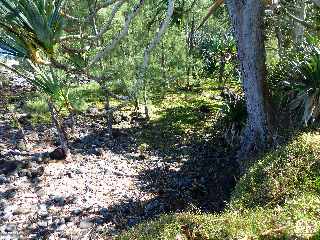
(112, 182)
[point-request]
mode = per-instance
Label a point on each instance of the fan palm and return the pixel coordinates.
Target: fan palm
(309, 89)
(28, 26)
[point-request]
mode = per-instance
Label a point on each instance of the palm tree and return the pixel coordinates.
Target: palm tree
(30, 26)
(30, 29)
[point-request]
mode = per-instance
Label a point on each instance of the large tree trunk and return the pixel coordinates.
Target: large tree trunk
(248, 21)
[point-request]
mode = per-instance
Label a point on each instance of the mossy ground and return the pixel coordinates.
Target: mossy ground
(278, 198)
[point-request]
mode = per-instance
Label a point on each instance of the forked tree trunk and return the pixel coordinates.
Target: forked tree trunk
(247, 18)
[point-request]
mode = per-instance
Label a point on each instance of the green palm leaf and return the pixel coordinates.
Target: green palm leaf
(32, 24)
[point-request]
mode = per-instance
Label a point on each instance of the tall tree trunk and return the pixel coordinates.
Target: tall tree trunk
(279, 37)
(298, 33)
(190, 47)
(248, 21)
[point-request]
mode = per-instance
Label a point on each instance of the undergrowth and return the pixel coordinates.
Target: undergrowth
(278, 198)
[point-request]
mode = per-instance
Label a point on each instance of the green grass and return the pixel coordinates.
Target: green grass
(179, 119)
(278, 198)
(81, 98)
(84, 96)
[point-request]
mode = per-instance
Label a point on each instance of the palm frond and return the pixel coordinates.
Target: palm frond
(308, 97)
(35, 23)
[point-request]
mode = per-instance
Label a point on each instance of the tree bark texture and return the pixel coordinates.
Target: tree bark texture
(298, 27)
(248, 21)
(61, 134)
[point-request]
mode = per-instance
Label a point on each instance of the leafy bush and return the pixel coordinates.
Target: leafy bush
(308, 96)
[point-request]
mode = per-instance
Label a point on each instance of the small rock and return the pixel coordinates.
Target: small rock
(67, 219)
(42, 224)
(99, 151)
(151, 206)
(58, 154)
(105, 213)
(49, 220)
(3, 179)
(76, 212)
(24, 119)
(85, 224)
(62, 227)
(93, 111)
(43, 212)
(24, 173)
(37, 172)
(10, 228)
(21, 211)
(59, 201)
(36, 157)
(99, 221)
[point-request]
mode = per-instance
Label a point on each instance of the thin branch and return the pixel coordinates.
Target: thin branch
(302, 22)
(76, 36)
(107, 25)
(106, 4)
(211, 10)
(120, 36)
(74, 50)
(163, 27)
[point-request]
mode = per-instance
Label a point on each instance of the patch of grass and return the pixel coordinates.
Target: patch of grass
(178, 119)
(278, 198)
(296, 219)
(81, 98)
(38, 108)
(279, 175)
(86, 95)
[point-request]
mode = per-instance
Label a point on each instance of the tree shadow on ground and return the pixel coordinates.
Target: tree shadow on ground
(195, 168)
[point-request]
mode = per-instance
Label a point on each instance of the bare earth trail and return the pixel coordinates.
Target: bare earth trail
(42, 199)
(54, 200)
(108, 186)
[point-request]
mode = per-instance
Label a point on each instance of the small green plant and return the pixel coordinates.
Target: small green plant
(317, 184)
(234, 114)
(308, 96)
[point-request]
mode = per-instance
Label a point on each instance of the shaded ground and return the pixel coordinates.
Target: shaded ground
(111, 183)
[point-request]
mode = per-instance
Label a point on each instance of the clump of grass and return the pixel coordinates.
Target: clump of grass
(278, 198)
(38, 108)
(281, 174)
(86, 95)
(81, 98)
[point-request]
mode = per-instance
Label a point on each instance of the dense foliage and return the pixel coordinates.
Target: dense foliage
(178, 77)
